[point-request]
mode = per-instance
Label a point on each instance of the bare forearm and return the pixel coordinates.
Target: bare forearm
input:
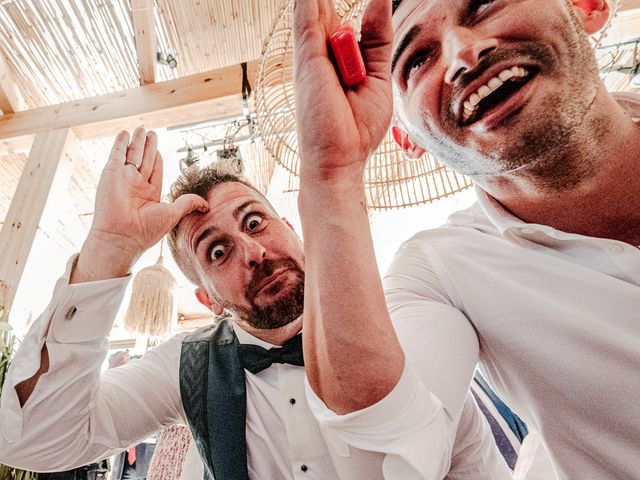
(25, 389)
(352, 355)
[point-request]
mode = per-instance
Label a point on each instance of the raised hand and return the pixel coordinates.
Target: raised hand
(339, 127)
(129, 217)
(352, 356)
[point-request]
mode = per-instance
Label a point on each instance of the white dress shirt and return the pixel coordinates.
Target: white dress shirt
(553, 318)
(75, 415)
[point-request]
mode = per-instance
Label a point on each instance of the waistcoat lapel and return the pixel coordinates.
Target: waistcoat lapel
(213, 390)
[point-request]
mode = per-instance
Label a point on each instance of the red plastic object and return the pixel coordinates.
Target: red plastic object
(346, 52)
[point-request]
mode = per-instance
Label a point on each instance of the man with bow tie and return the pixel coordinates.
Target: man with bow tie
(239, 385)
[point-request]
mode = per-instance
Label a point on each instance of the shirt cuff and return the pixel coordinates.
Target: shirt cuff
(83, 312)
(409, 425)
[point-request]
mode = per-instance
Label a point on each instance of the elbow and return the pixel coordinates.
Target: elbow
(362, 388)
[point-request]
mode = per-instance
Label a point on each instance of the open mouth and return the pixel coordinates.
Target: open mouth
(494, 93)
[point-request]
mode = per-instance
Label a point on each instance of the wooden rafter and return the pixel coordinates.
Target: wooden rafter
(10, 98)
(135, 102)
(24, 215)
(629, 5)
(142, 14)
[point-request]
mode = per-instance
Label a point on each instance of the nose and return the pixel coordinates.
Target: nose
(463, 50)
(254, 252)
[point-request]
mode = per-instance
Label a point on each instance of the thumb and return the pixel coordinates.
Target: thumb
(185, 204)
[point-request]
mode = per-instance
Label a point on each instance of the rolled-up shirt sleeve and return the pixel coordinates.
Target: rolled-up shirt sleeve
(415, 424)
(75, 415)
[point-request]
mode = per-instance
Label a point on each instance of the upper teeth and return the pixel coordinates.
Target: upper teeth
(472, 102)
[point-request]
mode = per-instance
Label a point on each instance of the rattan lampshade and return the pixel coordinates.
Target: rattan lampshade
(391, 181)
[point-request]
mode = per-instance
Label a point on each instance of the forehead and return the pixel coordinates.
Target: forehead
(224, 200)
(227, 196)
(408, 9)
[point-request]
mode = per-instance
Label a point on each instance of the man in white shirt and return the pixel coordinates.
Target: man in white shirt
(57, 411)
(539, 281)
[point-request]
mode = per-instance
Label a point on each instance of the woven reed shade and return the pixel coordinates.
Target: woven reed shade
(390, 180)
(152, 307)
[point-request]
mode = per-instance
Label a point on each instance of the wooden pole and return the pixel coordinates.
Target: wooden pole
(144, 28)
(20, 225)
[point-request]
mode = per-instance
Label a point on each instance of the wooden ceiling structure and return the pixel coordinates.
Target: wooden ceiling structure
(73, 71)
(76, 71)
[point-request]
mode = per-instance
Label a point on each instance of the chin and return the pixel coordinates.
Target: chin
(281, 308)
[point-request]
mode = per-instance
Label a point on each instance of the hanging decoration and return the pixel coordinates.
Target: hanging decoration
(152, 308)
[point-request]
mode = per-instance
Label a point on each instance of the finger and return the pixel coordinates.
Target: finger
(314, 20)
(119, 149)
(149, 155)
(185, 204)
(377, 38)
(136, 147)
(156, 173)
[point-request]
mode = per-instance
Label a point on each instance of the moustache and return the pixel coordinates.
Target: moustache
(265, 270)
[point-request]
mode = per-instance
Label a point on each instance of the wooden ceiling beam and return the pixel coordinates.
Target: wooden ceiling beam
(41, 170)
(10, 98)
(629, 5)
(144, 28)
(162, 98)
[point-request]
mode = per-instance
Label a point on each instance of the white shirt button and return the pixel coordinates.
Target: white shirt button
(615, 249)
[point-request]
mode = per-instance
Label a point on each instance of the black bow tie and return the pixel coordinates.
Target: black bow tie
(255, 358)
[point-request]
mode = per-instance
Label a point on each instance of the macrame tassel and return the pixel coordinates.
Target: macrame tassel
(152, 307)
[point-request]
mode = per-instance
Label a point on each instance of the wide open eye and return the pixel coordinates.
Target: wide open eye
(218, 252)
(252, 222)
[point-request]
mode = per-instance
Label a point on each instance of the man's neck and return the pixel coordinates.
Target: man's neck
(275, 336)
(599, 196)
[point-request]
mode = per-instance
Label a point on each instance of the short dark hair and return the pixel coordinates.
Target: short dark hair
(394, 5)
(197, 181)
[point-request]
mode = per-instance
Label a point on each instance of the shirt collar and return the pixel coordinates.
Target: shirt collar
(246, 338)
(507, 223)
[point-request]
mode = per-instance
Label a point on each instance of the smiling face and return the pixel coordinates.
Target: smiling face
(492, 86)
(245, 258)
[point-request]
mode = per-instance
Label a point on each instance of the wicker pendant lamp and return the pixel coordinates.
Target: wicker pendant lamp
(152, 308)
(391, 180)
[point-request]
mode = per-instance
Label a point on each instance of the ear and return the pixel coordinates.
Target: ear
(593, 14)
(205, 299)
(411, 150)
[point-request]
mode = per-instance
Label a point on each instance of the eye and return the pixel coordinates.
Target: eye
(415, 62)
(252, 222)
(479, 6)
(217, 252)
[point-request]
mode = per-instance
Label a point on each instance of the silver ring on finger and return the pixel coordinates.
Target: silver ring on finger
(137, 167)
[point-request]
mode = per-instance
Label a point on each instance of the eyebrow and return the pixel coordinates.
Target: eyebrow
(209, 230)
(404, 43)
(236, 213)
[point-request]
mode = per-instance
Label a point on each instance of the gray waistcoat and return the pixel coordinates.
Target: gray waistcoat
(212, 386)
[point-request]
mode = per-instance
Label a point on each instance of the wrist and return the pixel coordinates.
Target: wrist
(104, 256)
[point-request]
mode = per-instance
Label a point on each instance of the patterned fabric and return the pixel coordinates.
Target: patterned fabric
(493, 407)
(168, 458)
(213, 391)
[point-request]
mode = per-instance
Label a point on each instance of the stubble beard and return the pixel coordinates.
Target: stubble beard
(278, 311)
